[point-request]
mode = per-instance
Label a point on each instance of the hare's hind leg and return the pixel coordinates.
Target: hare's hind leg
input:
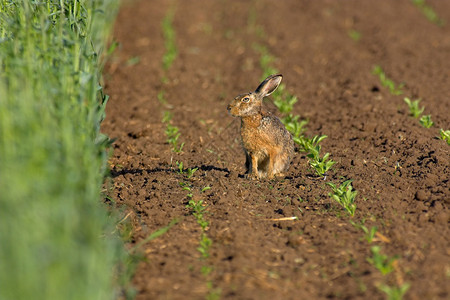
(263, 166)
(271, 165)
(280, 164)
(276, 163)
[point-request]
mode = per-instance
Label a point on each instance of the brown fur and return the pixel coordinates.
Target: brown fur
(269, 147)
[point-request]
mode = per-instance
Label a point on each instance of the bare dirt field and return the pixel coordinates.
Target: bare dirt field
(255, 247)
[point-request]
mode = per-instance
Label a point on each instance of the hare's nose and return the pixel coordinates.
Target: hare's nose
(229, 107)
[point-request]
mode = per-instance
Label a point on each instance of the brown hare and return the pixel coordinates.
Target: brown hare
(269, 147)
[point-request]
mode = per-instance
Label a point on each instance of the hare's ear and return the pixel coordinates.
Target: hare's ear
(269, 85)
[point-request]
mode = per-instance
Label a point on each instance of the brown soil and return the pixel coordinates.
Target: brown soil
(400, 169)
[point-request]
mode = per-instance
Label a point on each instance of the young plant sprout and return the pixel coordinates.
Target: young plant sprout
(321, 165)
(383, 263)
(426, 122)
(394, 292)
(354, 35)
(169, 40)
(428, 12)
(386, 82)
(344, 195)
(294, 126)
(198, 209)
(445, 135)
(413, 106)
(173, 134)
(190, 172)
(369, 234)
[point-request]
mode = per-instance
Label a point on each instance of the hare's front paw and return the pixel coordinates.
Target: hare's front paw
(252, 176)
(280, 175)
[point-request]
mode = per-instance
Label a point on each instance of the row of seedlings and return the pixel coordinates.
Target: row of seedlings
(196, 205)
(415, 110)
(344, 194)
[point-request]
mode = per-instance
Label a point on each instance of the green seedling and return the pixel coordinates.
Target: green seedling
(300, 140)
(164, 79)
(205, 244)
(428, 12)
(395, 292)
(187, 187)
(206, 188)
(313, 143)
(369, 234)
(383, 263)
(155, 234)
(206, 270)
(169, 40)
(319, 164)
(214, 293)
(413, 106)
(354, 35)
(167, 116)
(445, 135)
(294, 126)
(426, 122)
(198, 209)
(190, 172)
(133, 60)
(180, 167)
(173, 134)
(161, 98)
(386, 82)
(284, 101)
(344, 195)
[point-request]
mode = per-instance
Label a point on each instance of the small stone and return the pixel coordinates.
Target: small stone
(441, 218)
(423, 218)
(299, 260)
(421, 195)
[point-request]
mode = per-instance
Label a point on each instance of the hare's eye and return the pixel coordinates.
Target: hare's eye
(245, 99)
